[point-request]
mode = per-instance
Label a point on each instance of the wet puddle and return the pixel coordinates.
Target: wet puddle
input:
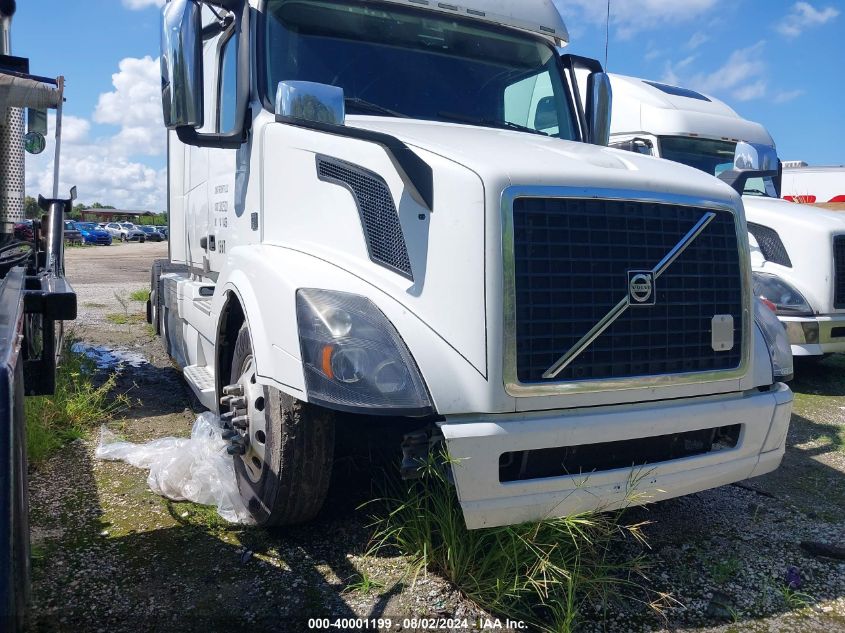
(110, 358)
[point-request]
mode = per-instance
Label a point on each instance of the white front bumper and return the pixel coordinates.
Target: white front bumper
(476, 443)
(817, 335)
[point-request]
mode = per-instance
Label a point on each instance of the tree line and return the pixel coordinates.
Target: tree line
(32, 211)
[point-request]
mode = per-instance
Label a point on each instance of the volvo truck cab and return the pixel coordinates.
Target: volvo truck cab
(797, 250)
(402, 209)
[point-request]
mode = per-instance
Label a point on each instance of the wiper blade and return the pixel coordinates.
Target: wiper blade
(505, 125)
(756, 192)
(369, 106)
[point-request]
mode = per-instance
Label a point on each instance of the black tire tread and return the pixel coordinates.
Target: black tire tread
(296, 483)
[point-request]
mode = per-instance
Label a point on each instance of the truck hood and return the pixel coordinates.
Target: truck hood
(774, 211)
(521, 158)
(807, 234)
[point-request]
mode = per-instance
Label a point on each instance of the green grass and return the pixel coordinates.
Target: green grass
(140, 295)
(725, 570)
(544, 573)
(121, 318)
(364, 583)
(76, 407)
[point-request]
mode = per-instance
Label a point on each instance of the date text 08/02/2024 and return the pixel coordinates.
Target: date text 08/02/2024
(417, 624)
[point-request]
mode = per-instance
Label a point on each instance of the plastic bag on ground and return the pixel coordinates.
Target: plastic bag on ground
(194, 469)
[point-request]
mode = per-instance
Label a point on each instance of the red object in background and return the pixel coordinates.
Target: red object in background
(838, 199)
(801, 199)
(23, 231)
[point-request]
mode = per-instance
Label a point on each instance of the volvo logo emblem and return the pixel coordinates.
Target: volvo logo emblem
(641, 288)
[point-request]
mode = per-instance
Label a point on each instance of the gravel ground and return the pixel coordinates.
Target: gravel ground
(111, 556)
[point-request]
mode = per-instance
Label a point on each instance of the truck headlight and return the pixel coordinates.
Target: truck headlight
(786, 298)
(354, 358)
(776, 340)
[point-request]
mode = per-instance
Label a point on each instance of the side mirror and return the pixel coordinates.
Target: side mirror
(594, 115)
(752, 160)
(181, 64)
(599, 108)
(319, 103)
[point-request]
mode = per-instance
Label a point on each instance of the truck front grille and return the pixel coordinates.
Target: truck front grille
(572, 261)
(839, 272)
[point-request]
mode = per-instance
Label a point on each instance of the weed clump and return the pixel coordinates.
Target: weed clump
(76, 407)
(543, 573)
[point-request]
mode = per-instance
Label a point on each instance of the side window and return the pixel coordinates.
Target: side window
(227, 86)
(530, 102)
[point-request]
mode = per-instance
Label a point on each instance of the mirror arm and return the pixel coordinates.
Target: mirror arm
(737, 179)
(570, 63)
(189, 135)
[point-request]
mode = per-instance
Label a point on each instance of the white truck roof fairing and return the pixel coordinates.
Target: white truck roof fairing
(536, 16)
(641, 105)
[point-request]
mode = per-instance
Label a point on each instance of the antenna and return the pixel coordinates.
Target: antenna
(607, 35)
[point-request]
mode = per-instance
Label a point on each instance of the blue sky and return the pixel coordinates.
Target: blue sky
(778, 62)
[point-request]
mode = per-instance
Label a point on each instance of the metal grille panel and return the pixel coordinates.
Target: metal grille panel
(839, 276)
(12, 167)
(571, 263)
(379, 217)
(770, 244)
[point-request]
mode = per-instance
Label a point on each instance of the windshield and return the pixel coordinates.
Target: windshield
(70, 225)
(127, 225)
(398, 61)
(88, 226)
(712, 157)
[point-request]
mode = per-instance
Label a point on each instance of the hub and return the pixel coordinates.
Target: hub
(245, 422)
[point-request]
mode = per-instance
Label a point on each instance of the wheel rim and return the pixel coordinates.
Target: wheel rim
(256, 432)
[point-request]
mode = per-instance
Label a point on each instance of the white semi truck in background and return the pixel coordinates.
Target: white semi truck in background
(797, 251)
(401, 208)
(813, 185)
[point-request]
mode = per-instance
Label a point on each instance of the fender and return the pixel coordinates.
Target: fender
(265, 278)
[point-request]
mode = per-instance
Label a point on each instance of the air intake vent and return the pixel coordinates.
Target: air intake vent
(770, 244)
(379, 217)
(839, 277)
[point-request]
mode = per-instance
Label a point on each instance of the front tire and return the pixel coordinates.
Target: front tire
(284, 475)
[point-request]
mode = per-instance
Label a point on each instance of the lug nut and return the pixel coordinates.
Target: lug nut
(233, 390)
(237, 446)
(230, 434)
(237, 402)
(241, 422)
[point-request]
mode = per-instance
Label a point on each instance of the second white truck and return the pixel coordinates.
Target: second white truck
(797, 251)
(402, 209)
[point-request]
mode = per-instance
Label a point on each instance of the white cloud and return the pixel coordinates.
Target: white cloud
(803, 16)
(743, 75)
(136, 5)
(632, 16)
(112, 169)
(753, 90)
(697, 40)
(135, 106)
(788, 95)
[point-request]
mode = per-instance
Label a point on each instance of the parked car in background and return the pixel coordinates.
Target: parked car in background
(72, 234)
(163, 230)
(93, 234)
(23, 231)
(152, 233)
(124, 231)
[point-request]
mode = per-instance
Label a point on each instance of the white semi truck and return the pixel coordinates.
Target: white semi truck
(797, 251)
(401, 208)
